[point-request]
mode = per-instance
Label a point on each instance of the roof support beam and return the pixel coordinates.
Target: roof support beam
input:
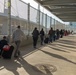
(69, 20)
(64, 17)
(58, 2)
(71, 12)
(63, 10)
(67, 14)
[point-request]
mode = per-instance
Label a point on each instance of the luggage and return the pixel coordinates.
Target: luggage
(6, 47)
(7, 54)
(46, 40)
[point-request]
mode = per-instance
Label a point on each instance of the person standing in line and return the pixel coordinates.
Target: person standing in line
(35, 35)
(51, 34)
(42, 36)
(17, 37)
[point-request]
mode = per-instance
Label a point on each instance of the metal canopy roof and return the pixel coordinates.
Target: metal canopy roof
(64, 9)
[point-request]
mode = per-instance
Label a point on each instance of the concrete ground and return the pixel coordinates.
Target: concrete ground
(57, 58)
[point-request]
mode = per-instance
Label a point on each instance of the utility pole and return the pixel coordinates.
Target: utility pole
(9, 20)
(39, 16)
(46, 23)
(54, 24)
(28, 19)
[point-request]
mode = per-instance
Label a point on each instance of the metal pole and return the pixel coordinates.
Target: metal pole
(50, 21)
(42, 19)
(54, 24)
(9, 19)
(28, 19)
(46, 23)
(4, 4)
(39, 16)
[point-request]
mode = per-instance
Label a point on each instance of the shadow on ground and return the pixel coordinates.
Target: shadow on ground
(14, 64)
(58, 56)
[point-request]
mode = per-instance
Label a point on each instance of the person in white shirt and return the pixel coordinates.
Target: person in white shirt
(17, 37)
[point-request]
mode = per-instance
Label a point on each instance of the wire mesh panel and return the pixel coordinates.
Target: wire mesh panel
(21, 13)
(41, 18)
(44, 20)
(59, 25)
(48, 22)
(2, 5)
(19, 8)
(33, 15)
(52, 23)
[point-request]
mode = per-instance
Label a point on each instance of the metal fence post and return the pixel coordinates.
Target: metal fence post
(50, 21)
(46, 23)
(39, 16)
(54, 24)
(28, 19)
(9, 19)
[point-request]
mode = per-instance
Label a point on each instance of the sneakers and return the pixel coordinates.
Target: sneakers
(17, 54)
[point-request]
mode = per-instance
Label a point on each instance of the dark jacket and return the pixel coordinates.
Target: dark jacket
(42, 33)
(35, 33)
(2, 43)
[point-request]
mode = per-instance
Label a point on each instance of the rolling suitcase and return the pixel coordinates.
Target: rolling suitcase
(8, 54)
(46, 40)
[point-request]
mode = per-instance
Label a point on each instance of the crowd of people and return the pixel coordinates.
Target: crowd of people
(51, 36)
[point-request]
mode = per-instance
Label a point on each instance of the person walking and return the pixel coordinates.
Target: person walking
(35, 35)
(42, 36)
(17, 37)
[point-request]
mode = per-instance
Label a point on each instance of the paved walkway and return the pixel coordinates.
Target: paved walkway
(57, 58)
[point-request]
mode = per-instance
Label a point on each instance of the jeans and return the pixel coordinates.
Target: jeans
(17, 51)
(42, 39)
(35, 41)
